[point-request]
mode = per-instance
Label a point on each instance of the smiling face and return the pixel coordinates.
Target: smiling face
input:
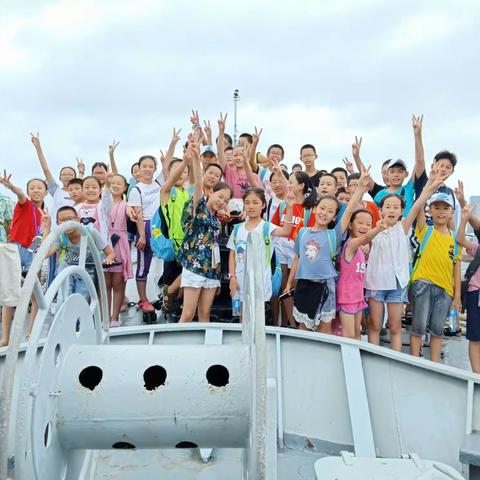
(392, 210)
(67, 174)
(341, 179)
(91, 190)
(278, 186)
(136, 172)
(253, 205)
(361, 224)
(219, 200)
(67, 216)
(100, 173)
(352, 186)
(275, 154)
(211, 177)
(36, 191)
(237, 157)
(325, 212)
(327, 185)
(344, 197)
(75, 191)
(441, 213)
(444, 168)
(118, 186)
(207, 158)
(297, 188)
(396, 176)
(147, 169)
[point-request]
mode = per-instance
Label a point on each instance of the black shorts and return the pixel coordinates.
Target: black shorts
(473, 317)
(171, 270)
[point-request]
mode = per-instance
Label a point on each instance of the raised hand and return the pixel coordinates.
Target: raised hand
(207, 128)
(356, 146)
(175, 138)
(467, 211)
(417, 123)
(162, 157)
(221, 122)
(256, 136)
(348, 165)
(290, 196)
(112, 147)
(35, 139)
(5, 180)
(364, 181)
(460, 193)
(195, 119)
(381, 224)
(80, 166)
(45, 221)
(434, 181)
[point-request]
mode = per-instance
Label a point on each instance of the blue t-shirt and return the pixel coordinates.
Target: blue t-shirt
(406, 191)
(314, 254)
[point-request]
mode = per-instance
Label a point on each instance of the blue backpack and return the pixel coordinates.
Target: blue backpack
(275, 266)
(332, 242)
(160, 241)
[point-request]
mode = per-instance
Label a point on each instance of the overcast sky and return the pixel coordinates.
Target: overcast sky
(84, 72)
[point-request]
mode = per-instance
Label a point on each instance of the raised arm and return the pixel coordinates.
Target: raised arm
(221, 141)
(6, 182)
(41, 157)
(356, 242)
(253, 153)
(419, 169)
(252, 178)
(362, 188)
(194, 153)
(171, 150)
(111, 156)
(288, 222)
(466, 217)
(172, 179)
(80, 167)
(207, 133)
(356, 147)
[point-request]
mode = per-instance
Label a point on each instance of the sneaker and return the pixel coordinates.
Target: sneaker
(146, 306)
(115, 323)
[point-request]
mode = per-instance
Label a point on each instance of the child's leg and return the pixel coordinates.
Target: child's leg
(358, 325)
(190, 302)
(474, 354)
(435, 348)
(421, 314)
(144, 260)
(7, 316)
(109, 285)
(348, 324)
(118, 288)
(205, 302)
(395, 311)
(324, 327)
(441, 303)
(375, 319)
(287, 304)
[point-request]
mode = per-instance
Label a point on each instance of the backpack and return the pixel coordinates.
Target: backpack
(306, 212)
(275, 266)
(160, 241)
(332, 242)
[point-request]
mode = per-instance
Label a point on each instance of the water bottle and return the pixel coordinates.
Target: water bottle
(236, 305)
(453, 321)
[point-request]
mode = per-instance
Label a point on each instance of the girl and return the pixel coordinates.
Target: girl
(95, 209)
(305, 199)
(25, 232)
(351, 279)
(116, 277)
(314, 264)
(254, 205)
(387, 274)
(212, 174)
(199, 253)
(145, 200)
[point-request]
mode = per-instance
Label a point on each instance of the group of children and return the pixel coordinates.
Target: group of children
(340, 257)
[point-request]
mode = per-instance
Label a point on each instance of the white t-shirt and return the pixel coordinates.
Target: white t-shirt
(60, 198)
(148, 198)
(240, 248)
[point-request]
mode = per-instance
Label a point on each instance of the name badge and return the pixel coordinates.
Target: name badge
(215, 255)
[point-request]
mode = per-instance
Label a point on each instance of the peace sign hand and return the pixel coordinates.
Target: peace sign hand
(176, 136)
(80, 166)
(417, 124)
(348, 165)
(221, 122)
(356, 146)
(112, 147)
(35, 139)
(256, 136)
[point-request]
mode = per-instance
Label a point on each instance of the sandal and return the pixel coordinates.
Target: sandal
(168, 300)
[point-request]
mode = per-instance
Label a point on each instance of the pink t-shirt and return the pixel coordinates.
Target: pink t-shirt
(474, 283)
(351, 280)
(88, 213)
(238, 181)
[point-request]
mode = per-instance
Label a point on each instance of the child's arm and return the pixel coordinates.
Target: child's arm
(461, 238)
(252, 178)
(221, 141)
(193, 156)
(419, 169)
(231, 273)
(457, 286)
(253, 152)
(109, 255)
(111, 156)
(355, 243)
(433, 184)
(46, 223)
(207, 133)
(172, 179)
(170, 152)
(356, 146)
(6, 182)
(80, 168)
(41, 157)
(362, 188)
(291, 277)
(288, 222)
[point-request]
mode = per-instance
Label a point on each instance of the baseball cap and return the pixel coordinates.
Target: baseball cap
(394, 163)
(442, 197)
(208, 149)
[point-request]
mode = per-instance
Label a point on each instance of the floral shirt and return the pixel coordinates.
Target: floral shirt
(6, 215)
(201, 240)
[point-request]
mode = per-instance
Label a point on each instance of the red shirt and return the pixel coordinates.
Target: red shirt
(297, 219)
(25, 224)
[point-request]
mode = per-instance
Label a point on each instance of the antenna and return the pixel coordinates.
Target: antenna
(236, 98)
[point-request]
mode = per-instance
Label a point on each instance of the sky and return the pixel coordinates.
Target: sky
(85, 72)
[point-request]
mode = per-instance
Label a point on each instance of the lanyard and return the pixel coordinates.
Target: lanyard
(35, 224)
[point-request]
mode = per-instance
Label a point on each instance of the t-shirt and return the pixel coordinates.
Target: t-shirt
(315, 179)
(373, 209)
(406, 191)
(26, 223)
(474, 283)
(147, 197)
(436, 262)
(240, 248)
(238, 181)
(314, 254)
(6, 215)
(272, 205)
(60, 197)
(297, 219)
(264, 176)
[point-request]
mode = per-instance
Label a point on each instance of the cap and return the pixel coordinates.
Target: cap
(393, 163)
(208, 149)
(442, 197)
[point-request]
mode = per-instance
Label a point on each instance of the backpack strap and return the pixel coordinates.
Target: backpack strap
(269, 207)
(235, 232)
(266, 239)
(301, 233)
(332, 243)
(306, 216)
(421, 249)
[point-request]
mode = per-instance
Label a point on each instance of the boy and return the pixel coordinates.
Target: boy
(436, 276)
(308, 155)
(341, 175)
(75, 190)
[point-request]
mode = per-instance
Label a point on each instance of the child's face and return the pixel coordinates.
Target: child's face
(36, 191)
(361, 225)
(237, 157)
(396, 176)
(253, 205)
(76, 192)
(219, 200)
(344, 197)
(352, 186)
(275, 155)
(67, 216)
(444, 168)
(385, 174)
(182, 179)
(66, 174)
(341, 179)
(308, 157)
(325, 212)
(117, 184)
(392, 210)
(207, 158)
(441, 213)
(296, 187)
(277, 184)
(211, 177)
(136, 172)
(147, 169)
(327, 186)
(100, 173)
(91, 190)
(229, 157)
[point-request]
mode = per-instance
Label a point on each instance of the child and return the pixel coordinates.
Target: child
(388, 274)
(341, 176)
(199, 252)
(279, 187)
(313, 267)
(434, 293)
(116, 277)
(254, 204)
(473, 289)
(75, 190)
(352, 266)
(352, 184)
(328, 187)
(308, 155)
(305, 199)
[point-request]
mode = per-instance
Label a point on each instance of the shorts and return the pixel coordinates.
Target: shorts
(352, 308)
(431, 305)
(193, 280)
(473, 317)
(284, 250)
(26, 257)
(398, 295)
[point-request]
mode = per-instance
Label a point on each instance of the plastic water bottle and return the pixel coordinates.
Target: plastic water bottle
(453, 321)
(236, 305)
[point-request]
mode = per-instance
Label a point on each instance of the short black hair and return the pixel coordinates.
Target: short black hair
(213, 164)
(339, 169)
(229, 138)
(76, 181)
(67, 208)
(386, 162)
(276, 145)
(297, 165)
(308, 145)
(100, 164)
(147, 157)
(340, 190)
(285, 174)
(446, 155)
(326, 174)
(248, 136)
(71, 168)
(353, 176)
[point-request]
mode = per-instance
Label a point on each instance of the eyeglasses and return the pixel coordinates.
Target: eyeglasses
(309, 155)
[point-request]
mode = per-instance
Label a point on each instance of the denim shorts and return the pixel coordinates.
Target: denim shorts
(26, 257)
(431, 305)
(399, 295)
(473, 317)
